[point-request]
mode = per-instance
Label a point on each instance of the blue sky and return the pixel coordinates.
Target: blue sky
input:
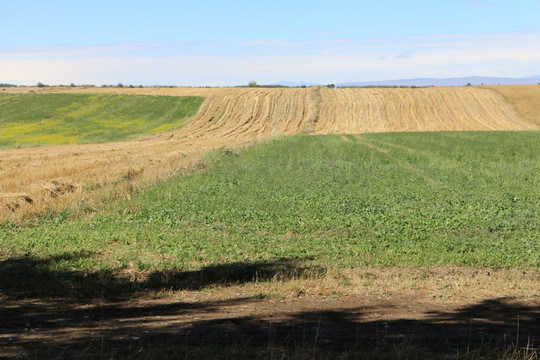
(222, 43)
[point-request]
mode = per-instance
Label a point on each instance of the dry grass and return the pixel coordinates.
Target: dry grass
(525, 100)
(33, 180)
(428, 109)
(447, 285)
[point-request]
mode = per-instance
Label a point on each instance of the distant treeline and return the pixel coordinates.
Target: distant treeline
(251, 84)
(119, 85)
(275, 86)
(386, 87)
(332, 86)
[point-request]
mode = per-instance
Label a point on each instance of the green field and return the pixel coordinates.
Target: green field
(409, 199)
(55, 119)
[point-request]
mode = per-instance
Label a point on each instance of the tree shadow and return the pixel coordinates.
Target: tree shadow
(213, 330)
(27, 277)
(51, 313)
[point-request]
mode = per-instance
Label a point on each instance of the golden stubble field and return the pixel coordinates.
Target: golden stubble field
(33, 179)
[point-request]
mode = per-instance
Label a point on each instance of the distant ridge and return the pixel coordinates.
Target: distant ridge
(473, 80)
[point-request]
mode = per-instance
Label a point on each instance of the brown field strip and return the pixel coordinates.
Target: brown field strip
(36, 178)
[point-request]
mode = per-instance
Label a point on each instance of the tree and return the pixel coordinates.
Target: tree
(252, 83)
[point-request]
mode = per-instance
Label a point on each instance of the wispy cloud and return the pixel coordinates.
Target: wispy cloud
(216, 48)
(479, 3)
(507, 44)
(66, 51)
(433, 24)
(316, 32)
(404, 55)
(233, 63)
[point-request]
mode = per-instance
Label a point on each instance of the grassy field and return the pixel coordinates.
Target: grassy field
(403, 199)
(54, 119)
(382, 246)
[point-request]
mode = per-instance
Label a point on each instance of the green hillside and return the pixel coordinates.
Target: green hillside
(54, 119)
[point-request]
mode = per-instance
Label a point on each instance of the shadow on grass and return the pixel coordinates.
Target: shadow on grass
(44, 277)
(211, 330)
(57, 323)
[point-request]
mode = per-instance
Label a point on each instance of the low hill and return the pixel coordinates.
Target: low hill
(231, 117)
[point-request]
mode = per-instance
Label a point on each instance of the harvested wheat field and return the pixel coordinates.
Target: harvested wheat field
(364, 244)
(61, 176)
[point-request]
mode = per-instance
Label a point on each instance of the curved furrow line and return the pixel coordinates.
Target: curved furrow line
(220, 122)
(241, 126)
(295, 121)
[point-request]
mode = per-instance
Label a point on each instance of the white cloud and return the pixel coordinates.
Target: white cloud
(509, 54)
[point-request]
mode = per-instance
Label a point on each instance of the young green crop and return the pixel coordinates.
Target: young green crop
(408, 199)
(47, 119)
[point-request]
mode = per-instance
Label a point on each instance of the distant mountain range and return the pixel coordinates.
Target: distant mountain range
(473, 80)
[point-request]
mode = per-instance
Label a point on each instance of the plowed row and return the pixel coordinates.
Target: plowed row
(32, 179)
